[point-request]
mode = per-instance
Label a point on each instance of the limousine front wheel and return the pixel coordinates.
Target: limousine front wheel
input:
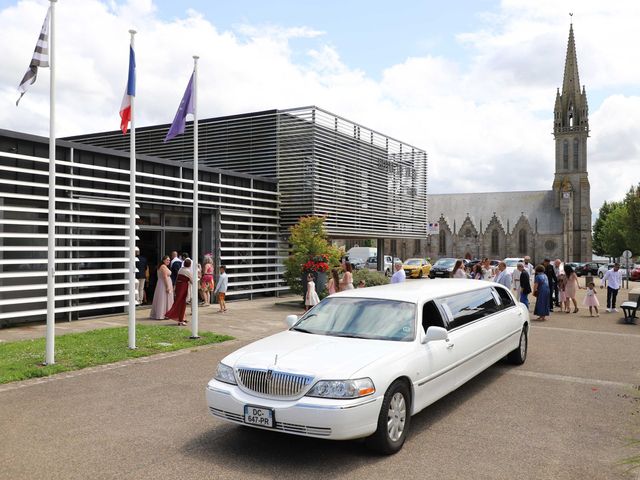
(394, 419)
(519, 355)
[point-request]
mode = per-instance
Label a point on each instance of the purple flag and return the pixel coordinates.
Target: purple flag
(186, 107)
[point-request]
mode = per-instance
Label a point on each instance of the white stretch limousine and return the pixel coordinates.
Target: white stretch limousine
(362, 362)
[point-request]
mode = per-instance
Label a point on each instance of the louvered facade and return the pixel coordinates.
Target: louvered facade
(239, 218)
(369, 185)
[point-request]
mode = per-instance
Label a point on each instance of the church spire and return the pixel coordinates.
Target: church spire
(571, 111)
(571, 82)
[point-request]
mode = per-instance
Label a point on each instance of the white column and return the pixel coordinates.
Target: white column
(194, 247)
(132, 220)
(51, 238)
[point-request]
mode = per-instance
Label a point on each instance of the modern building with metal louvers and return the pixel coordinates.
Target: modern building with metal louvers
(369, 185)
(259, 172)
(239, 221)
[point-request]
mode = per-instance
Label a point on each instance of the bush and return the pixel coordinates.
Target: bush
(371, 278)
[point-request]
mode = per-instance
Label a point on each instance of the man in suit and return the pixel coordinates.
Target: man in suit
(551, 277)
(525, 284)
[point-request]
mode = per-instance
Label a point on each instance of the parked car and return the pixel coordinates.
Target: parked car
(362, 362)
(372, 264)
(574, 265)
(416, 267)
(356, 262)
(603, 269)
(442, 268)
(512, 263)
(588, 268)
(635, 273)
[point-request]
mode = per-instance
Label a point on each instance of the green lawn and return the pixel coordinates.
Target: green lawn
(23, 359)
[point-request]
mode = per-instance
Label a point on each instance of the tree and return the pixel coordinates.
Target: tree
(614, 231)
(308, 239)
(632, 202)
(599, 225)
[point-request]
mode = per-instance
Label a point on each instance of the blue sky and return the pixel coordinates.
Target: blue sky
(471, 82)
(368, 34)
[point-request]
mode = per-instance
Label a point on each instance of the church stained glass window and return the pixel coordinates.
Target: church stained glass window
(522, 242)
(565, 155)
(494, 243)
(442, 243)
(575, 153)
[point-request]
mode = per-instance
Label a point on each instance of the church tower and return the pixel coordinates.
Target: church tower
(571, 182)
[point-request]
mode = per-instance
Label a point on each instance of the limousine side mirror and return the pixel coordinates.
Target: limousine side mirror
(435, 333)
(291, 320)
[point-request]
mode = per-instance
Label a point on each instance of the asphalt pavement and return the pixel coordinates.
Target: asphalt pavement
(567, 413)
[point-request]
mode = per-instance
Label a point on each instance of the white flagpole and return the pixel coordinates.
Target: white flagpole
(194, 247)
(132, 220)
(51, 237)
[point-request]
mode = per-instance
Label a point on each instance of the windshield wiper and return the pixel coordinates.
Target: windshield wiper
(345, 335)
(298, 329)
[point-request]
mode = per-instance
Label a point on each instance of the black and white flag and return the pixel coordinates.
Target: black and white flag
(40, 58)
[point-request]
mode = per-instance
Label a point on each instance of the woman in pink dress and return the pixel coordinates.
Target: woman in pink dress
(163, 296)
(206, 284)
(334, 282)
(571, 287)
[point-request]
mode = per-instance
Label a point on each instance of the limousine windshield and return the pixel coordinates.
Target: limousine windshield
(361, 318)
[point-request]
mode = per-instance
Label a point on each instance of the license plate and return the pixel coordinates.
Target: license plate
(262, 417)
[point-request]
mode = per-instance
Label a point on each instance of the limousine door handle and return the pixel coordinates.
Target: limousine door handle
(450, 346)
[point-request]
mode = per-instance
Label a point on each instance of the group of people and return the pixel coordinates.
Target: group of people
(335, 283)
(554, 284)
(174, 284)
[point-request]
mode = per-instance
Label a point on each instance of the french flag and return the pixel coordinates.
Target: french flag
(125, 108)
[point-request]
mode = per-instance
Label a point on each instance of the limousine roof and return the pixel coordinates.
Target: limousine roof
(418, 290)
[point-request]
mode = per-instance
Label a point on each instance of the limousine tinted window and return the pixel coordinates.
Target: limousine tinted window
(431, 316)
(470, 306)
(505, 299)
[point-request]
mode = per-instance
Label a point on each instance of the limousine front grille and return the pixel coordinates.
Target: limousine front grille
(272, 383)
(282, 426)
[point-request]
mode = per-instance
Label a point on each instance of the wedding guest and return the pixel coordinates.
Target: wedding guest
(399, 275)
(613, 280)
(163, 296)
(221, 288)
(346, 282)
(591, 299)
(311, 298)
(542, 292)
(334, 282)
(571, 287)
(525, 284)
(207, 284)
(178, 311)
(458, 270)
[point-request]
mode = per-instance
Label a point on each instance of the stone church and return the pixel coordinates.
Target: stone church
(553, 223)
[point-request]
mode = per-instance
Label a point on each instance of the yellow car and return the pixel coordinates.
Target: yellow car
(416, 267)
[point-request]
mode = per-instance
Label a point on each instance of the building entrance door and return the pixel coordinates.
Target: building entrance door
(150, 246)
(180, 241)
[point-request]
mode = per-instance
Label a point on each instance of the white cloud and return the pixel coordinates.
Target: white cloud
(486, 124)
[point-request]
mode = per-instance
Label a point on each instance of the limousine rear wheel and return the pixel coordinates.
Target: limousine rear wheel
(394, 419)
(519, 355)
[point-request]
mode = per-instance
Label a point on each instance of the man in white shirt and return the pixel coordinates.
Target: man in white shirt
(399, 276)
(503, 277)
(614, 278)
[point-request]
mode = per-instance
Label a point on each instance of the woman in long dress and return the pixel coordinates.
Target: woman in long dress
(178, 311)
(346, 282)
(571, 287)
(163, 296)
(542, 292)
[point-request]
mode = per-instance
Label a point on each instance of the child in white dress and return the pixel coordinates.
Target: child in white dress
(311, 299)
(591, 300)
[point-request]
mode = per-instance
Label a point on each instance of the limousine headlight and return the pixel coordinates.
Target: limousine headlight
(224, 373)
(341, 389)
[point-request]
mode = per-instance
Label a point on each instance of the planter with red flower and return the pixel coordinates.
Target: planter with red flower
(317, 266)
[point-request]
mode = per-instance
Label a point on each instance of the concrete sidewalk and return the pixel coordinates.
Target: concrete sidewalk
(270, 312)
